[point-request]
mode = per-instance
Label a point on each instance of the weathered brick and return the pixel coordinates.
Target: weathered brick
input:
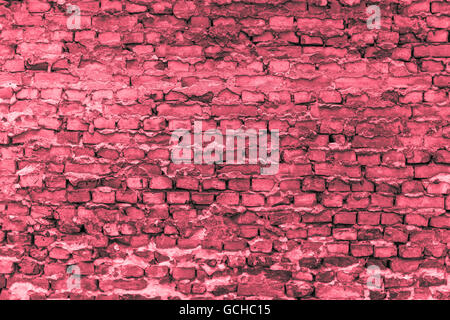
(87, 144)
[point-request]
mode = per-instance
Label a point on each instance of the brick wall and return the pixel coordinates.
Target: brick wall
(358, 209)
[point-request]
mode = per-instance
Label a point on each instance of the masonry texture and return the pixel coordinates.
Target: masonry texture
(88, 185)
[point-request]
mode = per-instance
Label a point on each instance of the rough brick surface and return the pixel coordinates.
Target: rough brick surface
(87, 181)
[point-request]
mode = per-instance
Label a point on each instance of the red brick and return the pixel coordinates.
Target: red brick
(420, 202)
(6, 266)
(179, 273)
(361, 250)
(252, 200)
(160, 183)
